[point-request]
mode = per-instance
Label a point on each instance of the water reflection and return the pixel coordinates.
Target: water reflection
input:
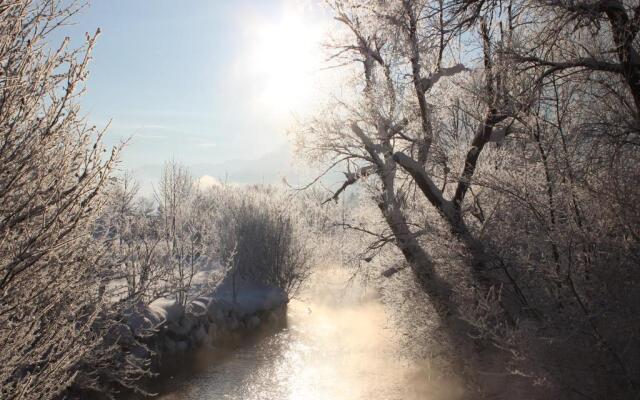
(333, 347)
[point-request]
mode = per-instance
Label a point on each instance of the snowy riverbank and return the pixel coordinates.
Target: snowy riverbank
(207, 319)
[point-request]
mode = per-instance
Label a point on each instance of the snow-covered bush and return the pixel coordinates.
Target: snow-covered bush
(188, 239)
(262, 235)
(55, 262)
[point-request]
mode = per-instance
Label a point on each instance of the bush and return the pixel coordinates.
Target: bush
(261, 238)
(54, 267)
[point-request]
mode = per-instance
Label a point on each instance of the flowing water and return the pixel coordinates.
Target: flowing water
(337, 344)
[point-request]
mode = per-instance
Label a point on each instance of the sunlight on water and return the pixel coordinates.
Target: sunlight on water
(348, 355)
(334, 347)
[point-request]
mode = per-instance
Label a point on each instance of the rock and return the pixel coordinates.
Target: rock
(199, 306)
(170, 328)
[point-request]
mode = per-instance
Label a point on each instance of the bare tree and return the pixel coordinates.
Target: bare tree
(185, 231)
(132, 227)
(509, 146)
(394, 127)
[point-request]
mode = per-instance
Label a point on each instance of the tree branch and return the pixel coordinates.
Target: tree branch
(586, 63)
(351, 179)
(424, 182)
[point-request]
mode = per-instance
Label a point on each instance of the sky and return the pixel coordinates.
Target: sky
(203, 82)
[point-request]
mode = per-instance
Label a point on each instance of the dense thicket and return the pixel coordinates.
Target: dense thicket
(266, 236)
(510, 129)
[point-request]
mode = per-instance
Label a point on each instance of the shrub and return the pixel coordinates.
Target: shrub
(262, 238)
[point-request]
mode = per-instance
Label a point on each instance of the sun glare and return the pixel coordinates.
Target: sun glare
(284, 59)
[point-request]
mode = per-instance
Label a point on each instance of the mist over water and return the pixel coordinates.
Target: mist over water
(337, 344)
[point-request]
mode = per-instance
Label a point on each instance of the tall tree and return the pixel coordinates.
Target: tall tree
(504, 122)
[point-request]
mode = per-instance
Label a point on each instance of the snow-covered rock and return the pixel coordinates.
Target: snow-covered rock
(199, 306)
(166, 311)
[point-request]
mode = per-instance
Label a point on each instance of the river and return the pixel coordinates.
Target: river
(337, 344)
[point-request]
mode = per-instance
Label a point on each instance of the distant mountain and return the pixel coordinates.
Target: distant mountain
(270, 168)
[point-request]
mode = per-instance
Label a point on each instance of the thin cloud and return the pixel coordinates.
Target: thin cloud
(144, 135)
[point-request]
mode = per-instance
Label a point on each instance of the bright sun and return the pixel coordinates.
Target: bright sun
(283, 59)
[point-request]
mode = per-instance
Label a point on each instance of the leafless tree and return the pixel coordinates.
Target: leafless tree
(185, 231)
(506, 146)
(133, 228)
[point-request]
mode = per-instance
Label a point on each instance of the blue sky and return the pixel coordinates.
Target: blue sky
(199, 81)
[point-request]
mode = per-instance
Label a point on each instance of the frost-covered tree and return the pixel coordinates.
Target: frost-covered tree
(390, 138)
(186, 230)
(54, 265)
(133, 227)
(507, 131)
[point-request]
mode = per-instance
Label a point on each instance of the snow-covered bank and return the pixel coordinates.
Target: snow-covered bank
(207, 319)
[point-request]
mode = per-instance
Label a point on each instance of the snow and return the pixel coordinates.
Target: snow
(250, 298)
(206, 182)
(176, 329)
(167, 310)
